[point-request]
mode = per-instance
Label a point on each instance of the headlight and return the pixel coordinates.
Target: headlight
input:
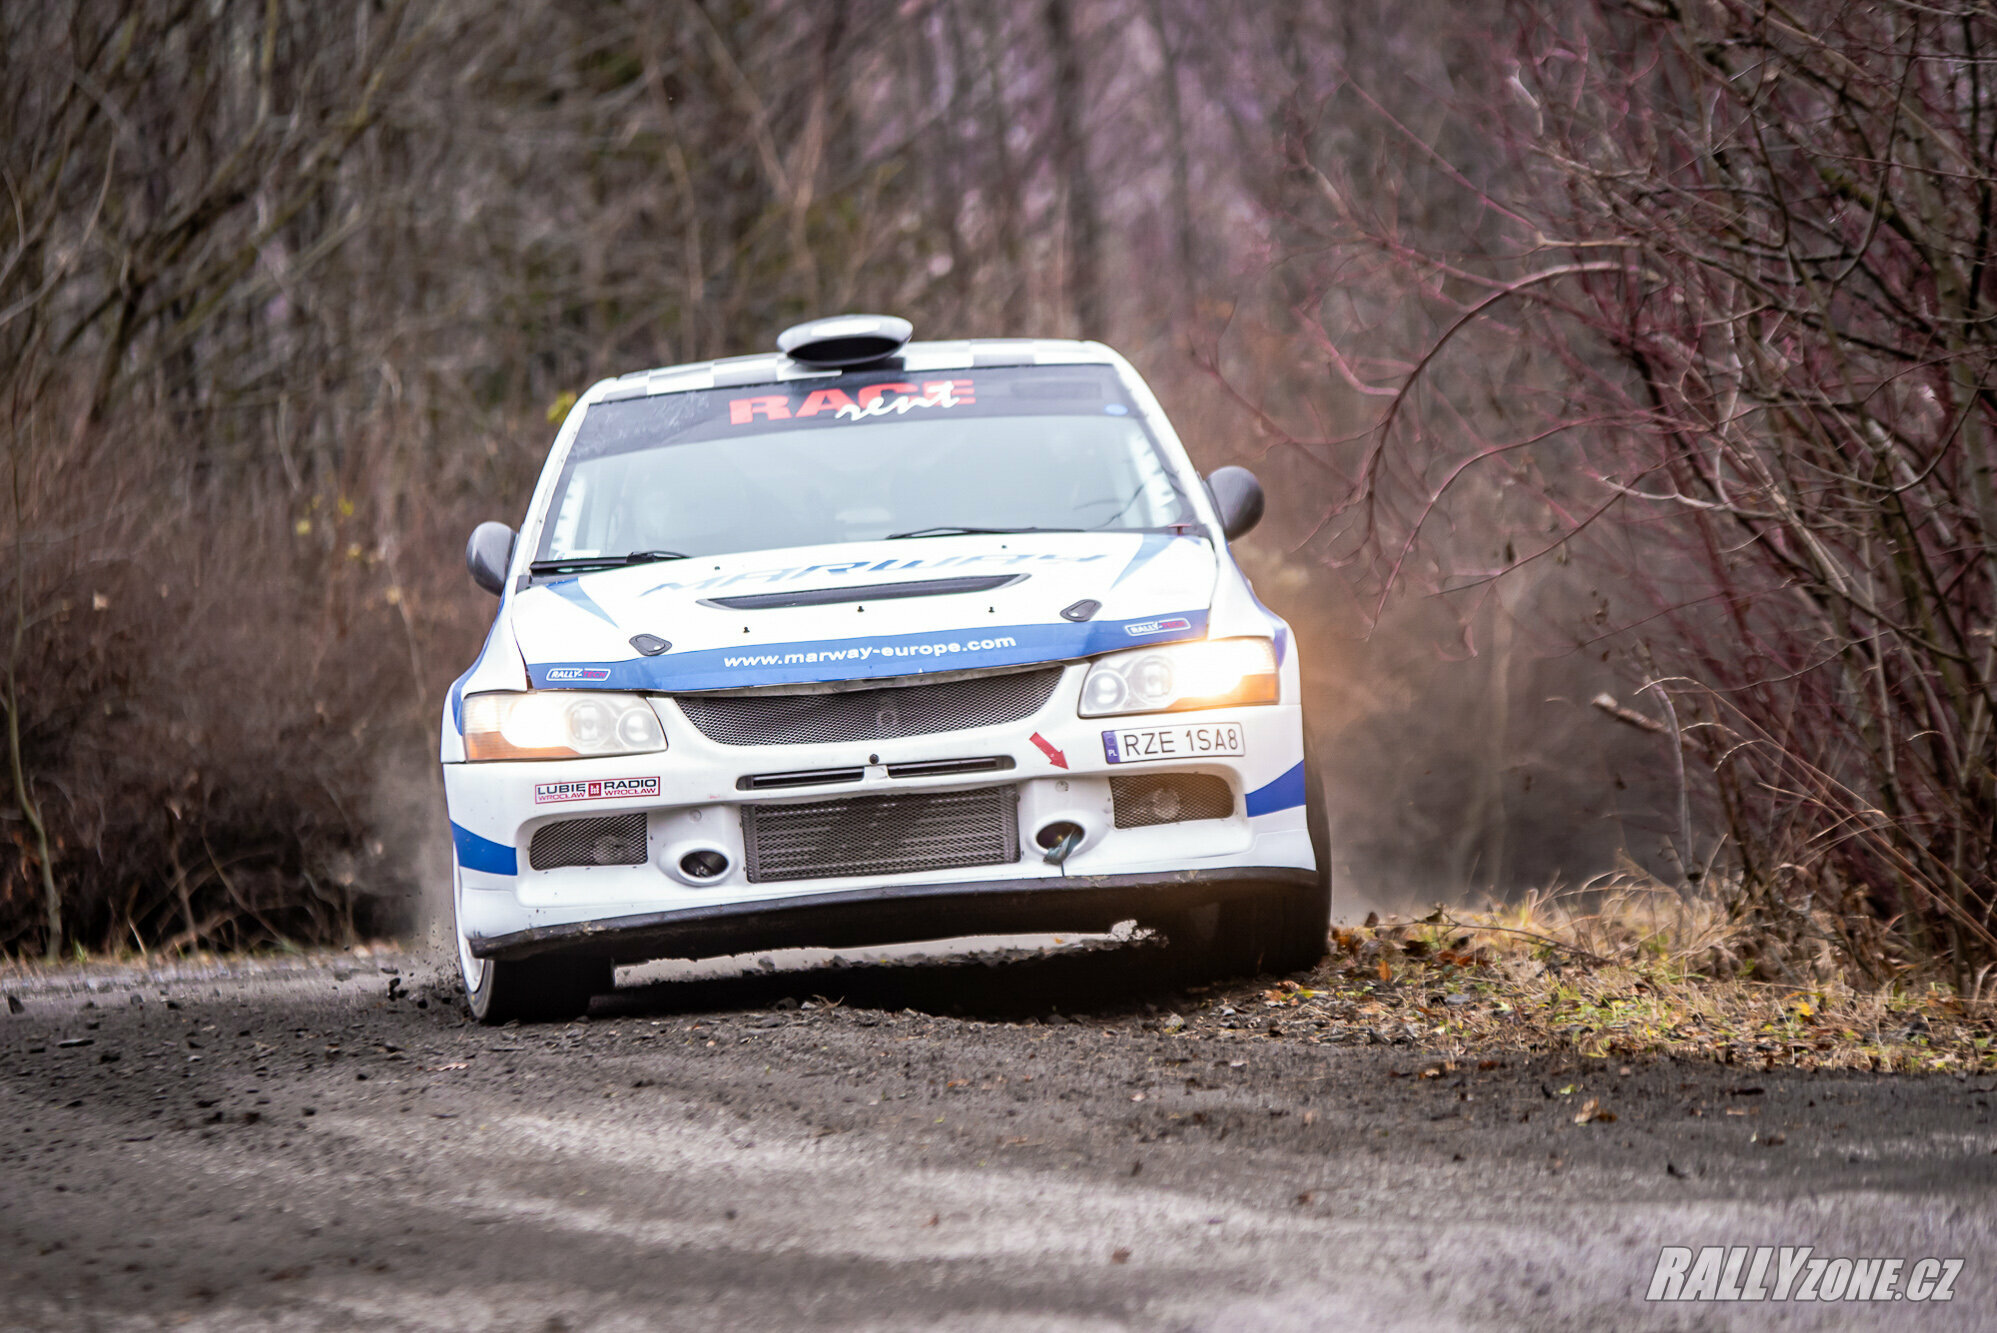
(559, 724)
(1214, 674)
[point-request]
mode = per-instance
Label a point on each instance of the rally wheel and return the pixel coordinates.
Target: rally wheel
(532, 990)
(1280, 928)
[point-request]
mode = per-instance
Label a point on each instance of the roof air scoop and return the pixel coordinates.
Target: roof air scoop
(843, 342)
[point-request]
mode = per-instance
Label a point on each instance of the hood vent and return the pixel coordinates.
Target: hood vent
(867, 592)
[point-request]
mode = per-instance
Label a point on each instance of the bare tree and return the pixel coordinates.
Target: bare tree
(1747, 247)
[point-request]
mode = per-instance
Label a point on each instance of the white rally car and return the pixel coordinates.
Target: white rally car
(873, 641)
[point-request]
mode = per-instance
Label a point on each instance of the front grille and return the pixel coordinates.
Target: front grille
(882, 835)
(614, 840)
(870, 715)
(1169, 798)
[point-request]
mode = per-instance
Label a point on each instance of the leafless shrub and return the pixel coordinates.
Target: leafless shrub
(1733, 304)
(291, 294)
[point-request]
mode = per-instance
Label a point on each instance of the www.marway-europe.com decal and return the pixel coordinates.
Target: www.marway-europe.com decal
(934, 648)
(860, 659)
(595, 789)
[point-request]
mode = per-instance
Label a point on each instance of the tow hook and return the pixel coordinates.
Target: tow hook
(1059, 842)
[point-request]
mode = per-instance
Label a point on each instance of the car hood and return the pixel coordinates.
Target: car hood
(862, 610)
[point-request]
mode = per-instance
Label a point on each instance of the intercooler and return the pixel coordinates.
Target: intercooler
(882, 835)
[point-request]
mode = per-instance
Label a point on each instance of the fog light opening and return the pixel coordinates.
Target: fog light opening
(704, 863)
(614, 849)
(1058, 840)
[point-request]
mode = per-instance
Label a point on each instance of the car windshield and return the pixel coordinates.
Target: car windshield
(859, 457)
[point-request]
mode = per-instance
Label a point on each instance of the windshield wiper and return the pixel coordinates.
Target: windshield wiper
(582, 564)
(952, 530)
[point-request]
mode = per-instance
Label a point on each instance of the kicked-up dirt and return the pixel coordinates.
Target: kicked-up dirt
(1032, 1140)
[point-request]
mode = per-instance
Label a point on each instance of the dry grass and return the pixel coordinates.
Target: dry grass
(1616, 970)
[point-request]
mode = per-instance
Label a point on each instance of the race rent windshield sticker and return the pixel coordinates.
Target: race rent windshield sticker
(1795, 1273)
(595, 789)
(842, 402)
(895, 397)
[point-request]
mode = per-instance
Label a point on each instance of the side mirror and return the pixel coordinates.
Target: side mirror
(1238, 497)
(487, 555)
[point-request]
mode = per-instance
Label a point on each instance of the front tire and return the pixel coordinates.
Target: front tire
(532, 990)
(1280, 928)
(1309, 928)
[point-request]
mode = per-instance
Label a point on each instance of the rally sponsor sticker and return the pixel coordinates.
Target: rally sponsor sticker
(1198, 741)
(1175, 625)
(873, 400)
(595, 789)
(577, 673)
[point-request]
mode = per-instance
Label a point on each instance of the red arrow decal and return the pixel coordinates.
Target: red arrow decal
(1054, 756)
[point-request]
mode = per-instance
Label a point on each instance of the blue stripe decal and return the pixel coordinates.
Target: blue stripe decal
(476, 853)
(1285, 793)
(571, 590)
(865, 659)
(1282, 641)
(458, 685)
(1147, 550)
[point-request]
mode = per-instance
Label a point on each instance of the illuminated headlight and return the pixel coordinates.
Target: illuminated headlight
(559, 724)
(1216, 673)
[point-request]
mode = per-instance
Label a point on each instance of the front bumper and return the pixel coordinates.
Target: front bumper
(895, 914)
(690, 800)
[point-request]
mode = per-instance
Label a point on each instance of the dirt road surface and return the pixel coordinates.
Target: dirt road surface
(1025, 1144)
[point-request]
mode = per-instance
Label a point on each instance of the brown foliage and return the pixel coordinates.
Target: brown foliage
(1676, 321)
(289, 296)
(1737, 277)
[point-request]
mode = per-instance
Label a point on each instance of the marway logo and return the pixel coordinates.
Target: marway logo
(791, 573)
(1176, 623)
(600, 789)
(556, 674)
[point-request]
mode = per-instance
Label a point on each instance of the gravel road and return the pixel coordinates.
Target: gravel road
(1024, 1141)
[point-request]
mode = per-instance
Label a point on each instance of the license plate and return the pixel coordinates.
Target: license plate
(1198, 741)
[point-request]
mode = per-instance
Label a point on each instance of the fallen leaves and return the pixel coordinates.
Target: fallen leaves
(1593, 1112)
(1462, 982)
